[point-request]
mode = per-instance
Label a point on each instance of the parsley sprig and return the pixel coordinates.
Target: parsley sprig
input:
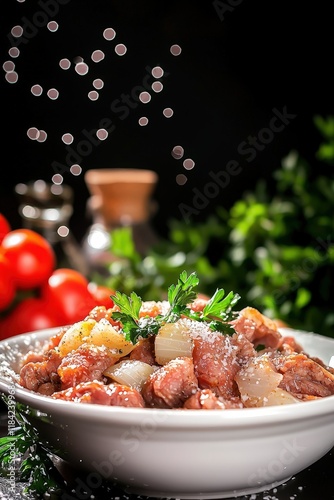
(217, 312)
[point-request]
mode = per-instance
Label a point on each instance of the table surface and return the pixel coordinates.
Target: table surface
(314, 483)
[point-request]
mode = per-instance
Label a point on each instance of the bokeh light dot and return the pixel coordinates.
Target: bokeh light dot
(67, 138)
(157, 86)
(42, 136)
(17, 31)
(36, 90)
(12, 77)
(120, 49)
(33, 133)
(93, 95)
(181, 179)
(143, 121)
(109, 34)
(53, 26)
(98, 83)
(14, 52)
(175, 50)
(75, 169)
(21, 188)
(144, 97)
(63, 231)
(81, 68)
(97, 56)
(188, 164)
(8, 66)
(65, 63)
(177, 152)
(57, 179)
(39, 186)
(53, 94)
(102, 134)
(56, 190)
(168, 112)
(157, 72)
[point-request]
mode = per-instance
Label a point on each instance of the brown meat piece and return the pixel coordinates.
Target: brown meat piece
(215, 362)
(34, 374)
(144, 351)
(55, 339)
(257, 328)
(98, 393)
(47, 389)
(101, 312)
(205, 399)
(289, 345)
(32, 357)
(199, 303)
(246, 349)
(171, 385)
(85, 364)
(302, 376)
(122, 395)
(153, 308)
(42, 353)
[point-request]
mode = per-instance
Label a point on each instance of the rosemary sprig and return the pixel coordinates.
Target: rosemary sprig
(36, 467)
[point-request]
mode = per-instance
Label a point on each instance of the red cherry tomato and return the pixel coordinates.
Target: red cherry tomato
(101, 294)
(29, 315)
(67, 292)
(4, 227)
(7, 285)
(31, 257)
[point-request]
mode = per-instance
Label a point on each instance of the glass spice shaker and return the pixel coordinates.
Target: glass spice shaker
(47, 208)
(119, 198)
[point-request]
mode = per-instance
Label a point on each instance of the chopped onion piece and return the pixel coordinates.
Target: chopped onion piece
(99, 333)
(130, 372)
(75, 335)
(172, 341)
(257, 380)
(103, 333)
(279, 397)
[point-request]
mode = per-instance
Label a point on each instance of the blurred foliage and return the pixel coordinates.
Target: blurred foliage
(274, 246)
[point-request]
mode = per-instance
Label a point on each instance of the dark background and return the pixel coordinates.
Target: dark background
(239, 61)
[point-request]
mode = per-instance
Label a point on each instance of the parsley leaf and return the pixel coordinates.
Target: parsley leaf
(220, 306)
(217, 312)
(130, 306)
(129, 314)
(180, 295)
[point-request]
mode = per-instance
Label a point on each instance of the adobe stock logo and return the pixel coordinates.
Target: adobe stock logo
(223, 7)
(249, 149)
(289, 453)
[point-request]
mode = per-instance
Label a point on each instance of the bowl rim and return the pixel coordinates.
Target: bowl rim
(231, 418)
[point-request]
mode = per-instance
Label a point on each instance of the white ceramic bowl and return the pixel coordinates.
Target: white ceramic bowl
(181, 453)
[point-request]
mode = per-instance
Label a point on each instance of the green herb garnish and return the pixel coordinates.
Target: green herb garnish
(23, 442)
(217, 312)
